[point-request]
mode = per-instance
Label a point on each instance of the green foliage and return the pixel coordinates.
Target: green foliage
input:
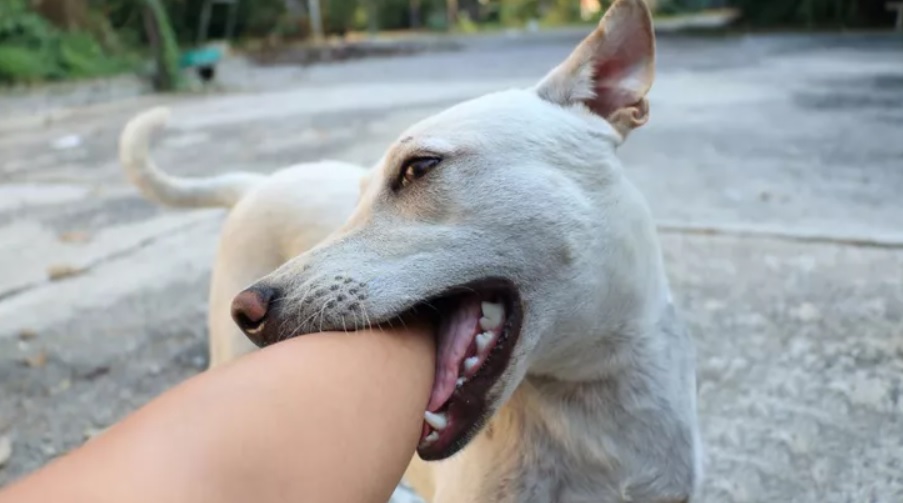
(292, 27)
(21, 64)
(33, 50)
(18, 25)
(255, 17)
(517, 12)
(781, 13)
(340, 16)
(80, 55)
(561, 12)
(27, 59)
(436, 20)
(465, 24)
(674, 8)
(513, 13)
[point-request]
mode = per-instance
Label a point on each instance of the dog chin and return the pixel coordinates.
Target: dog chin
(478, 325)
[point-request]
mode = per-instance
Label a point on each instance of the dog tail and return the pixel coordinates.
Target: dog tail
(218, 191)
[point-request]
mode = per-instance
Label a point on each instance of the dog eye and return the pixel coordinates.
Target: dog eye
(417, 167)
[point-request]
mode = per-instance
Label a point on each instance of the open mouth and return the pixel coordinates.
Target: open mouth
(477, 329)
(477, 326)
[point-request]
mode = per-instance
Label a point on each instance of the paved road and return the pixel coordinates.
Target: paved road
(774, 165)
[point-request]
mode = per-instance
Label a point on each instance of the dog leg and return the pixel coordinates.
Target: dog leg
(242, 257)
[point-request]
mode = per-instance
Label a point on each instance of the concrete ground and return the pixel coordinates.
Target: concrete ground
(774, 164)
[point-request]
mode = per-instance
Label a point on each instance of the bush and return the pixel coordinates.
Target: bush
(339, 16)
(465, 24)
(27, 44)
(768, 13)
(673, 8)
(561, 12)
(80, 55)
(33, 50)
(18, 25)
(21, 64)
(517, 12)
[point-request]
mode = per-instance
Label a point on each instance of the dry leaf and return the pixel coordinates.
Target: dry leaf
(27, 335)
(62, 271)
(37, 360)
(75, 237)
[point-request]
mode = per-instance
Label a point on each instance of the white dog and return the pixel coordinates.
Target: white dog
(563, 373)
(272, 218)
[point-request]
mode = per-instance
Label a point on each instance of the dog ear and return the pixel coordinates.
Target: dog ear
(362, 185)
(611, 70)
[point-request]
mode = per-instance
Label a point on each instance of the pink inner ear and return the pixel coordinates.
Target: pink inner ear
(611, 85)
(621, 69)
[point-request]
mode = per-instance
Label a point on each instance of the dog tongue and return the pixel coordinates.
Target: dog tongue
(456, 334)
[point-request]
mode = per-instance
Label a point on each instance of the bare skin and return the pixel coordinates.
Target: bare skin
(326, 417)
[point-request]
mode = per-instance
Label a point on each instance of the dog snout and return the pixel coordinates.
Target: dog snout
(249, 310)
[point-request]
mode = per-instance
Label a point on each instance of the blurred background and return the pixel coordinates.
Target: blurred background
(773, 162)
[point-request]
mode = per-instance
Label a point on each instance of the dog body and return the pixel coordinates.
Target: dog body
(271, 219)
(563, 374)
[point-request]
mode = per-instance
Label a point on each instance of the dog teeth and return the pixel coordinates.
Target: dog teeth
(487, 324)
(483, 341)
(471, 363)
(429, 440)
(460, 382)
(256, 330)
(437, 421)
(492, 316)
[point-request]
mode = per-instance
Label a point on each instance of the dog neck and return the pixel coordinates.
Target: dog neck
(630, 436)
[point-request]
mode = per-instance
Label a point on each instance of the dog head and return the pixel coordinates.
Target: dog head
(505, 219)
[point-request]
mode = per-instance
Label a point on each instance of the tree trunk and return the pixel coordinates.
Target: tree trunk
(451, 13)
(66, 14)
(294, 7)
(316, 20)
(166, 49)
(372, 17)
(414, 13)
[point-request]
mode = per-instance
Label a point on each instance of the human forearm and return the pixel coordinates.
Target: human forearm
(325, 417)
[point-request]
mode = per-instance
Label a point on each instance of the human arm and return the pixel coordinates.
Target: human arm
(324, 417)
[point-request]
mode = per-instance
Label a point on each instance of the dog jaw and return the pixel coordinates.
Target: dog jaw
(477, 326)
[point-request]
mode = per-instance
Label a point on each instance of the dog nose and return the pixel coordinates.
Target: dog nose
(249, 310)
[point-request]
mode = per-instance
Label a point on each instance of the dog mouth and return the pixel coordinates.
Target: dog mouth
(477, 327)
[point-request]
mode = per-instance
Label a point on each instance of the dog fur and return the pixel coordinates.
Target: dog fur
(597, 403)
(271, 219)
